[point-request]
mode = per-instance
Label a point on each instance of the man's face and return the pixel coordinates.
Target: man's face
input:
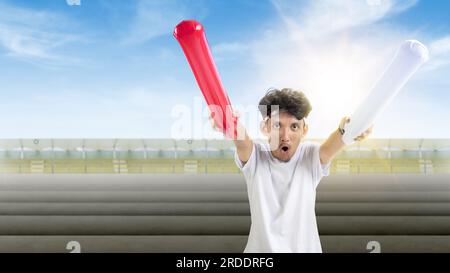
(285, 133)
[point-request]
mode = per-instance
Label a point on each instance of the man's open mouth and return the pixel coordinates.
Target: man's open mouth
(285, 148)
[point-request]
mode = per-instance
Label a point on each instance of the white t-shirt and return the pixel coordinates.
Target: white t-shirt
(282, 199)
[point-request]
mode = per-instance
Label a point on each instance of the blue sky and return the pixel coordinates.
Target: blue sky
(113, 69)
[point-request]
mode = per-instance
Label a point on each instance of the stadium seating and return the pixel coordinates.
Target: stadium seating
(210, 213)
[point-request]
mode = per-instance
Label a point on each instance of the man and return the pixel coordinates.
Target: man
(282, 175)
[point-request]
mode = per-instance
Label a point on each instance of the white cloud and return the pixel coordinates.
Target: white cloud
(159, 17)
(230, 48)
(35, 35)
(441, 46)
(440, 53)
(319, 17)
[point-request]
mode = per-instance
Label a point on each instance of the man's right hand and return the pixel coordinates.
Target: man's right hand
(243, 143)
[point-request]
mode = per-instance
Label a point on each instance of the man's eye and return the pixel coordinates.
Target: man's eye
(294, 127)
(276, 126)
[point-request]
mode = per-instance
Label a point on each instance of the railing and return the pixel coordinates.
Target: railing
(213, 165)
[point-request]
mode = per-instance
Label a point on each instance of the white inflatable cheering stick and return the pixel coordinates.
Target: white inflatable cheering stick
(411, 55)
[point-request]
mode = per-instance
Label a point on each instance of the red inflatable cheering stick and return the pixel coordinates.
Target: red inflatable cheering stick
(192, 39)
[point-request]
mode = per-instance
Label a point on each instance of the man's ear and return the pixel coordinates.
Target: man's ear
(263, 127)
(305, 128)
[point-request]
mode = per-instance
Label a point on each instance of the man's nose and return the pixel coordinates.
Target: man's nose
(284, 135)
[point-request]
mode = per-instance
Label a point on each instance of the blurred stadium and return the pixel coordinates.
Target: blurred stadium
(164, 195)
(418, 156)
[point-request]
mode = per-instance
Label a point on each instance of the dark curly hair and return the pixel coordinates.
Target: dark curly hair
(287, 100)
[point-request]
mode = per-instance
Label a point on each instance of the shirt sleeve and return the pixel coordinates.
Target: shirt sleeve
(249, 168)
(319, 170)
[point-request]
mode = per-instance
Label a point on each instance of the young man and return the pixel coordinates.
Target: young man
(282, 176)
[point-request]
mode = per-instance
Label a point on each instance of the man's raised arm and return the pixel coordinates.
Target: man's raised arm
(334, 143)
(243, 143)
